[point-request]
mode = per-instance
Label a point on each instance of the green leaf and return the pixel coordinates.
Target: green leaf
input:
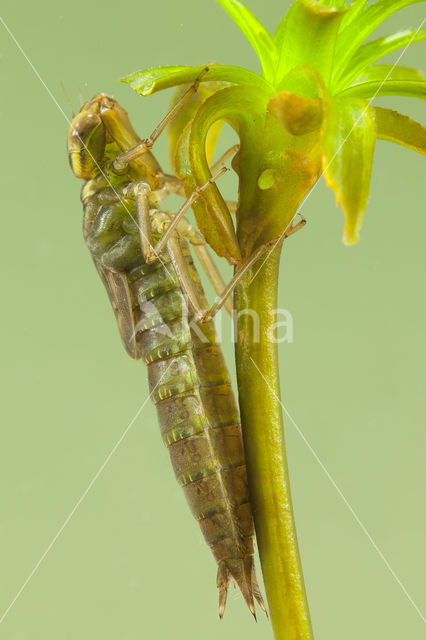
(299, 115)
(304, 80)
(245, 111)
(375, 50)
(276, 170)
(335, 4)
(259, 38)
(354, 9)
(348, 149)
(299, 105)
(148, 81)
(396, 127)
(386, 80)
(307, 35)
(187, 113)
(210, 210)
(351, 37)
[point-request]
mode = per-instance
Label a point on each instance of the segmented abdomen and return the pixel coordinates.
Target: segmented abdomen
(198, 418)
(190, 387)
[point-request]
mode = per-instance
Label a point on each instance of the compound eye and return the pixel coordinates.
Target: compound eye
(86, 144)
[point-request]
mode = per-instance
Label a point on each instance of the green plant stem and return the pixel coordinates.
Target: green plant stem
(262, 420)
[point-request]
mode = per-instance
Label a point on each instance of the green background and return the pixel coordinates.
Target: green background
(131, 562)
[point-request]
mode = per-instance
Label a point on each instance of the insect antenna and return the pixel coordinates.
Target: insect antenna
(67, 98)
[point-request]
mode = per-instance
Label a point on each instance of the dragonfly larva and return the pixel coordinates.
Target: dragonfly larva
(188, 379)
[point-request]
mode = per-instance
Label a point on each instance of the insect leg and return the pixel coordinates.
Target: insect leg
(161, 244)
(232, 206)
(206, 316)
(179, 262)
(124, 158)
(224, 157)
(200, 248)
(180, 265)
(212, 272)
(175, 185)
(187, 284)
(141, 192)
